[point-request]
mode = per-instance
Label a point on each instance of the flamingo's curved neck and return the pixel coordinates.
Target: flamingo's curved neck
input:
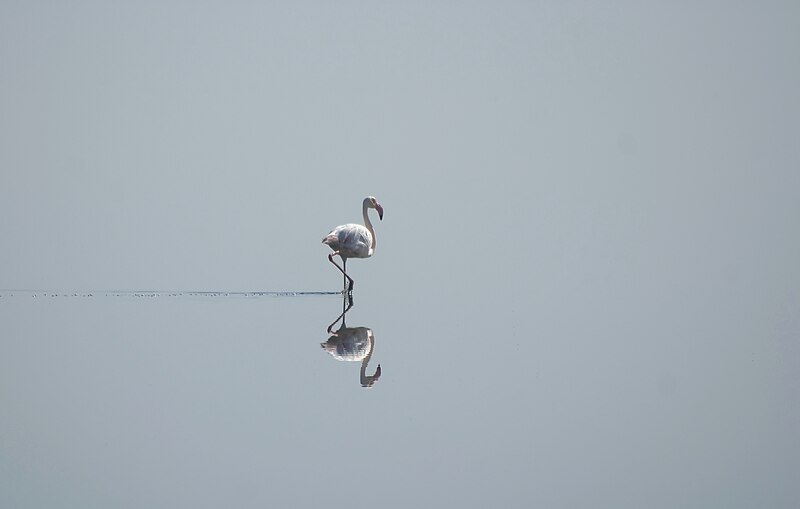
(369, 380)
(368, 223)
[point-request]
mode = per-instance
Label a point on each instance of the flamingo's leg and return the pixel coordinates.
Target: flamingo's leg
(346, 277)
(345, 299)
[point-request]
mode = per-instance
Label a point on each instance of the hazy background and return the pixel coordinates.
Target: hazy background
(585, 290)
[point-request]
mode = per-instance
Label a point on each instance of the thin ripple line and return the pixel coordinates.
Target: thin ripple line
(10, 293)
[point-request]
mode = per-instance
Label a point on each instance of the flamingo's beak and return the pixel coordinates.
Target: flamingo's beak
(379, 208)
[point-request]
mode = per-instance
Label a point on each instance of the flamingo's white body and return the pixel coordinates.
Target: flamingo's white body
(354, 344)
(354, 240)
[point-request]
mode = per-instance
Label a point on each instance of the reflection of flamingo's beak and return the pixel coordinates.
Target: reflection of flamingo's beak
(377, 373)
(379, 208)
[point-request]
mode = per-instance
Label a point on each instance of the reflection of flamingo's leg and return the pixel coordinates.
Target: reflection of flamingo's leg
(346, 277)
(347, 303)
(349, 299)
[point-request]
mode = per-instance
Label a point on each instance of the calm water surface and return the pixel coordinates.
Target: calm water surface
(492, 391)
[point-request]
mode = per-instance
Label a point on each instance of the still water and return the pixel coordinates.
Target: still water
(489, 393)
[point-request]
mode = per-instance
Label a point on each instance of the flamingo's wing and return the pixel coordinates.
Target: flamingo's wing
(352, 239)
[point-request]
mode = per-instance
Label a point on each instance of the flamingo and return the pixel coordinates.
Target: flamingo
(353, 240)
(353, 344)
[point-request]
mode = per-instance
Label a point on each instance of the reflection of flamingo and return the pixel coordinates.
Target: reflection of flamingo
(354, 240)
(353, 344)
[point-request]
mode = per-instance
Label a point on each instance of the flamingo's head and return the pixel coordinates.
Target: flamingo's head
(369, 381)
(373, 203)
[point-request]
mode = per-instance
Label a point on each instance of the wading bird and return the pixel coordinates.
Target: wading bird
(353, 240)
(352, 344)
